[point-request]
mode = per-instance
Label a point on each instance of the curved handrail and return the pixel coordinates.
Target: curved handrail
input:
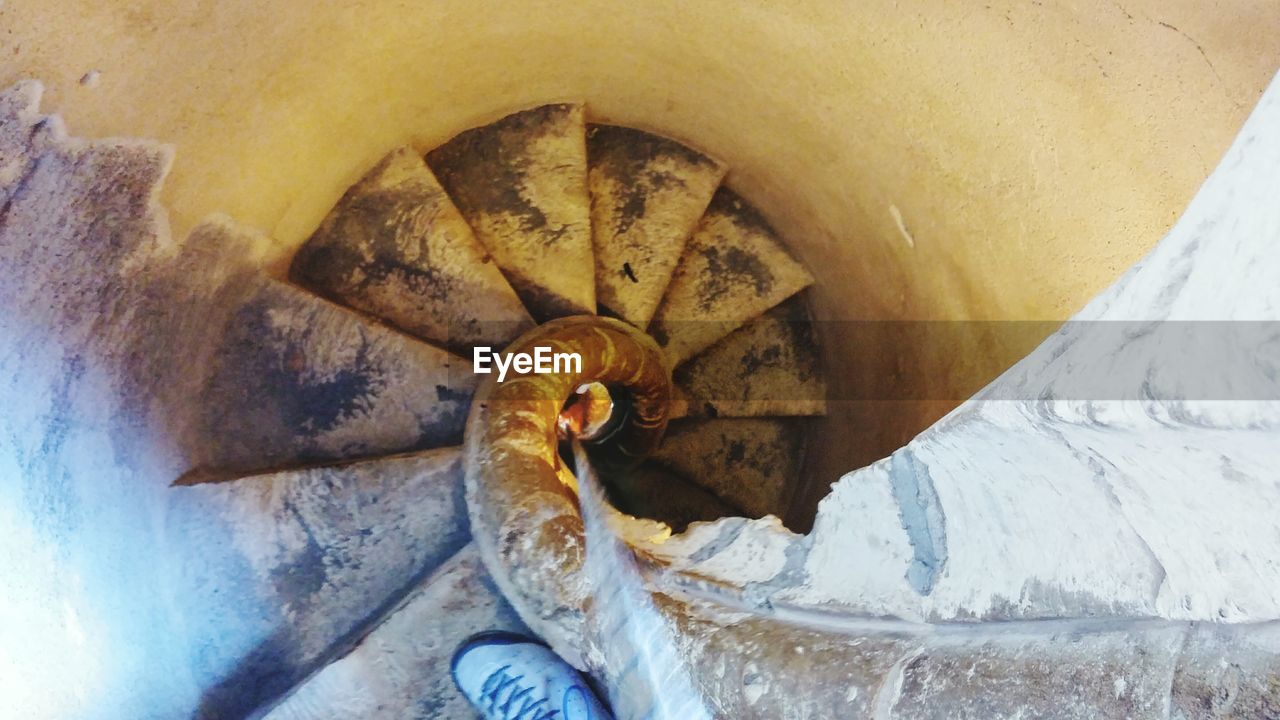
(522, 502)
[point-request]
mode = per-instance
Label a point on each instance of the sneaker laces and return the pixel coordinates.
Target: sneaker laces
(503, 693)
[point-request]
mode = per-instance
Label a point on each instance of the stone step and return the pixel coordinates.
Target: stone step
(296, 380)
(655, 492)
(400, 670)
(521, 183)
(647, 195)
(284, 572)
(397, 248)
(748, 463)
(734, 269)
(769, 367)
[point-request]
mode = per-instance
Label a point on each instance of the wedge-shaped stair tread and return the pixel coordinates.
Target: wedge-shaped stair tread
(298, 380)
(400, 671)
(734, 269)
(521, 183)
(747, 462)
(768, 367)
(396, 247)
(303, 562)
(647, 195)
(655, 492)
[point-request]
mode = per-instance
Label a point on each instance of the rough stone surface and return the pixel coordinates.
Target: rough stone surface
(768, 367)
(285, 571)
(521, 183)
(1068, 675)
(778, 661)
(647, 195)
(296, 380)
(734, 269)
(80, 453)
(1228, 672)
(749, 667)
(749, 463)
(400, 670)
(397, 248)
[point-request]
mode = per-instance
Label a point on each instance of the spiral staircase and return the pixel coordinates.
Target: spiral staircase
(341, 461)
(1032, 555)
(344, 527)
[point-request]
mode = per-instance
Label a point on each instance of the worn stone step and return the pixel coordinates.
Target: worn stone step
(769, 367)
(647, 195)
(294, 380)
(734, 269)
(396, 247)
(749, 463)
(655, 492)
(400, 670)
(284, 572)
(521, 183)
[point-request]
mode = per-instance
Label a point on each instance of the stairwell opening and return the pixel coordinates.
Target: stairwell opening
(544, 213)
(591, 413)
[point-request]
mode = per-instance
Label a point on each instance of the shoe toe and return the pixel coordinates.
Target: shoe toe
(576, 705)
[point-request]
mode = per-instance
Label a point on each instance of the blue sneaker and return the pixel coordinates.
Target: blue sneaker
(513, 677)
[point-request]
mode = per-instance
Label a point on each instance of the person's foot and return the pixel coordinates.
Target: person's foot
(512, 677)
